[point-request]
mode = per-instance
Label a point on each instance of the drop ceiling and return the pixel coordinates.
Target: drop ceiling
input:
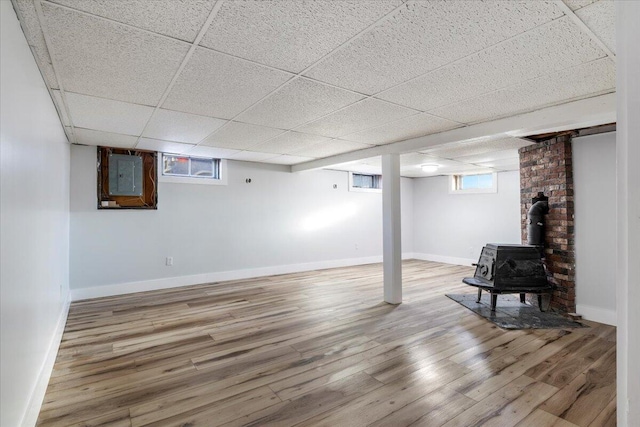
(288, 82)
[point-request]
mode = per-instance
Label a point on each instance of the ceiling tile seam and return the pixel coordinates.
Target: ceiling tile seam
(491, 127)
(45, 35)
(470, 55)
(118, 133)
(346, 137)
(183, 64)
(113, 21)
(342, 46)
(549, 105)
(249, 61)
(326, 142)
(60, 109)
(510, 86)
(232, 157)
(585, 28)
(300, 74)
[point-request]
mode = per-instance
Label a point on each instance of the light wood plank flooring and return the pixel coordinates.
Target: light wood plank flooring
(321, 349)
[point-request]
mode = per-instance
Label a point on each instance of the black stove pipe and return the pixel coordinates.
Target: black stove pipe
(535, 223)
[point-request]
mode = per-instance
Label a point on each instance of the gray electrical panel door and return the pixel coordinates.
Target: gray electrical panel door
(125, 175)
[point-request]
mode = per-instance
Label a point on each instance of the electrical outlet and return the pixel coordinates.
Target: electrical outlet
(169, 261)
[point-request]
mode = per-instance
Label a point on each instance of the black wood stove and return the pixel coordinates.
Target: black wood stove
(510, 269)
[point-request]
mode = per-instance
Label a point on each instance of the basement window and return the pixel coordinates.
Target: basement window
(179, 168)
(365, 182)
(476, 183)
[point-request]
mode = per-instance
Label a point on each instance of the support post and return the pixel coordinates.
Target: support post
(391, 229)
(628, 212)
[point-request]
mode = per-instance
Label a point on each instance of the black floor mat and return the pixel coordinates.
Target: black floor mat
(512, 314)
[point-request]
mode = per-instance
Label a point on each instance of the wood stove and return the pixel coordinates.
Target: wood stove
(509, 269)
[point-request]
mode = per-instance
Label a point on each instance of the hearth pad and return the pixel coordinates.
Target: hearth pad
(512, 314)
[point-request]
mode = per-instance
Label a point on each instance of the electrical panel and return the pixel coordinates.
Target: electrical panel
(125, 175)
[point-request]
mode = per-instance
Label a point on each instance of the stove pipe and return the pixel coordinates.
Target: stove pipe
(535, 223)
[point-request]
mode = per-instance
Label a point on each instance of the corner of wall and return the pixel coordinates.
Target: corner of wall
(38, 393)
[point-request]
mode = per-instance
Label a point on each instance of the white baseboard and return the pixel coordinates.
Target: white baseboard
(37, 396)
(445, 259)
(597, 314)
(196, 279)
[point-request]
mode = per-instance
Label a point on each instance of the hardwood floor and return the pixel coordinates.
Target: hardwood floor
(321, 349)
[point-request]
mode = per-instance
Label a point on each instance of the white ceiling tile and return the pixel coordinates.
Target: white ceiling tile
(57, 100)
(106, 139)
(331, 148)
(35, 38)
(107, 115)
(478, 146)
(551, 47)
(298, 102)
(417, 159)
(502, 164)
(222, 153)
(163, 146)
(218, 85)
(406, 128)
(252, 156)
(577, 82)
(290, 35)
(491, 156)
(288, 160)
(179, 19)
(240, 135)
(180, 127)
(426, 35)
(107, 59)
(357, 117)
(600, 17)
(577, 4)
(290, 143)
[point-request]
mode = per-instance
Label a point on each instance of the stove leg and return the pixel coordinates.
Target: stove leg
(522, 298)
(540, 302)
(479, 294)
(494, 301)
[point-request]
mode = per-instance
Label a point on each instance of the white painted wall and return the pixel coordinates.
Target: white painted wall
(594, 177)
(34, 221)
(279, 222)
(454, 227)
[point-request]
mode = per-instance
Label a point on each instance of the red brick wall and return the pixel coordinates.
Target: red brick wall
(547, 167)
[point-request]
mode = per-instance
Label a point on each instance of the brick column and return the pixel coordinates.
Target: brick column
(547, 166)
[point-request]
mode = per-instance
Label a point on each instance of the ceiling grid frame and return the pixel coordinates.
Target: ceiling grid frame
(45, 34)
(185, 60)
(300, 74)
(580, 23)
(322, 129)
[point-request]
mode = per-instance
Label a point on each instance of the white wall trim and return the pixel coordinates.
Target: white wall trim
(37, 395)
(445, 259)
(597, 314)
(220, 276)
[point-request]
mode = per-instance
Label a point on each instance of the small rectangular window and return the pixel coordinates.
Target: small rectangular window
(477, 183)
(365, 182)
(192, 167)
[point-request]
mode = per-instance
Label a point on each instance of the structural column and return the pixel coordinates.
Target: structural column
(391, 228)
(627, 275)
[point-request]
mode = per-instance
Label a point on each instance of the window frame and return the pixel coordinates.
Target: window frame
(202, 180)
(364, 190)
(453, 184)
